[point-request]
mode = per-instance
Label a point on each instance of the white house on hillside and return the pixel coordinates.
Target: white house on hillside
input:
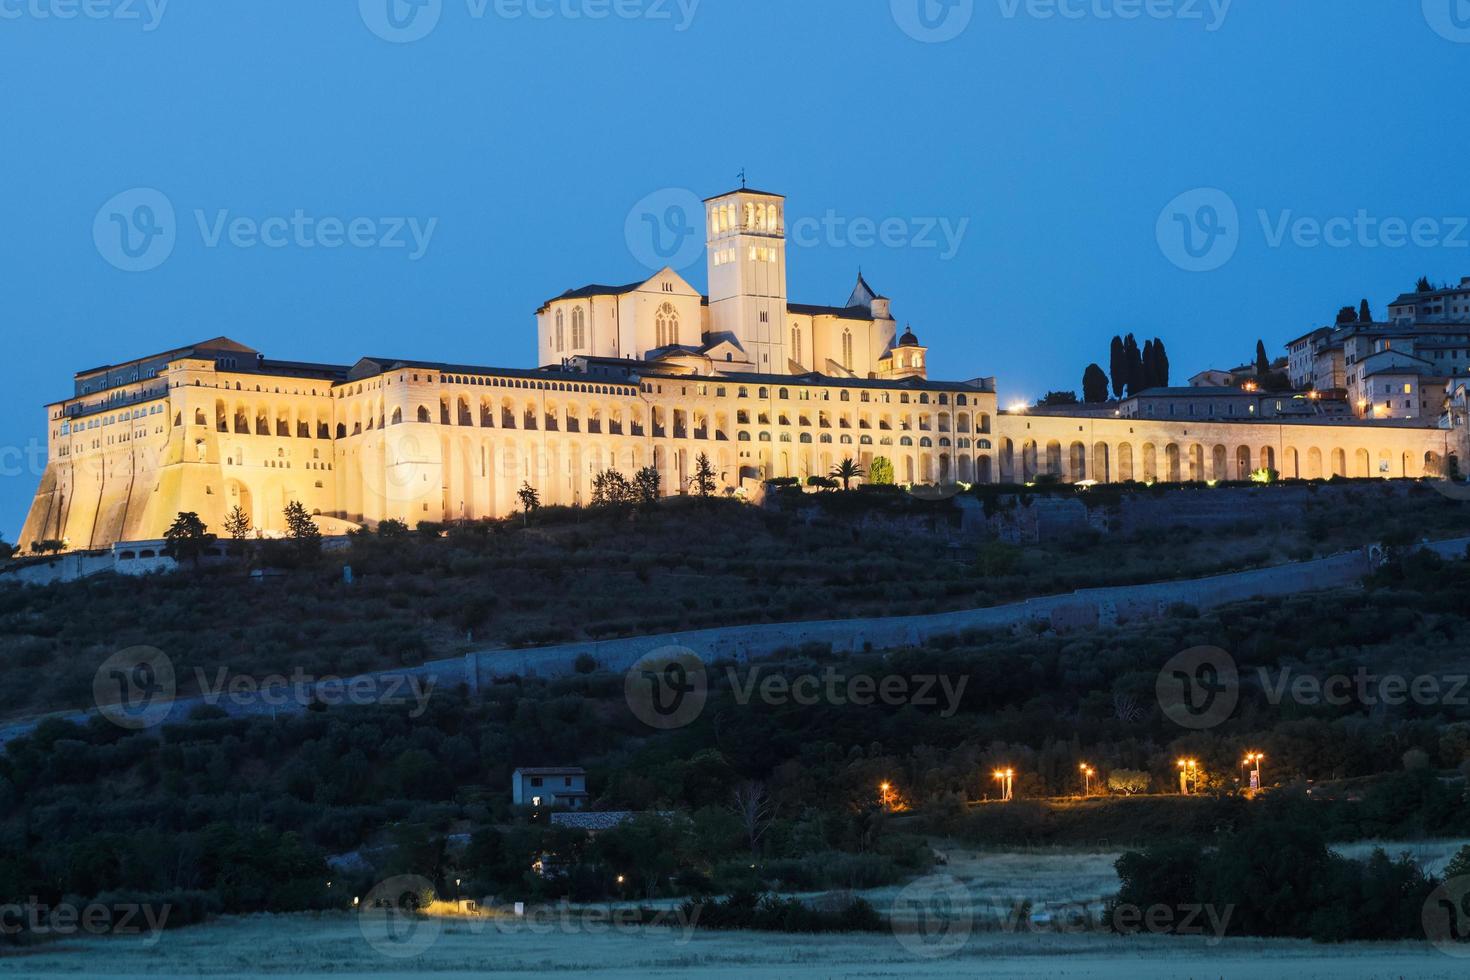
(564, 786)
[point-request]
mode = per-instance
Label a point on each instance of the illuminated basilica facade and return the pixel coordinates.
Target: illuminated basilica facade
(651, 373)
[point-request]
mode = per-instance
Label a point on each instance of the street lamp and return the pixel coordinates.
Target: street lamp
(883, 795)
(1253, 759)
(456, 895)
(1087, 773)
(1188, 772)
(1006, 778)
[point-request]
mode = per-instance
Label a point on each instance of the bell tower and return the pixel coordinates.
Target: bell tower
(746, 239)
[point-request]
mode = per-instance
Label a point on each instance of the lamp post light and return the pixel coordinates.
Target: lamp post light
(1188, 773)
(1253, 759)
(1006, 778)
(456, 895)
(1087, 773)
(883, 795)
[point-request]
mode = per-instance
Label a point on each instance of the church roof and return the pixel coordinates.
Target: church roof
(845, 312)
(216, 344)
(595, 289)
(746, 190)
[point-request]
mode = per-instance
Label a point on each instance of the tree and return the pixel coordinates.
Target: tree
(1263, 363)
(237, 524)
(188, 538)
(1150, 369)
(1346, 315)
(847, 471)
(1134, 359)
(704, 477)
(6, 549)
(302, 530)
(755, 810)
(1365, 313)
(1161, 364)
(530, 500)
(1129, 782)
(1057, 398)
(1423, 286)
(1118, 366)
(42, 546)
(880, 471)
(647, 486)
(392, 528)
(611, 489)
(1094, 385)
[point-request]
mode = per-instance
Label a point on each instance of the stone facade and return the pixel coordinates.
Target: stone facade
(646, 375)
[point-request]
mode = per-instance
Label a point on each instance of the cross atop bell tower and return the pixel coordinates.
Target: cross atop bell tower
(746, 238)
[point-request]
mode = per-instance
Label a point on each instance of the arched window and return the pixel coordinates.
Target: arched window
(847, 349)
(666, 326)
(579, 329)
(796, 343)
(423, 413)
(560, 337)
(397, 416)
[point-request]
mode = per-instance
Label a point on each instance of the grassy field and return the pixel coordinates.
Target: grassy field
(335, 944)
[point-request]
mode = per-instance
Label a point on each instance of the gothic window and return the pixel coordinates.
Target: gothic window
(666, 326)
(847, 349)
(560, 344)
(579, 329)
(796, 344)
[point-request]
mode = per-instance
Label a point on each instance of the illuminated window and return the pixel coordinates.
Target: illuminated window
(666, 325)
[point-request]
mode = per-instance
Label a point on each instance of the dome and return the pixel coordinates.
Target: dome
(908, 339)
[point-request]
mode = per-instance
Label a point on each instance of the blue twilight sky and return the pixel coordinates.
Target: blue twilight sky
(1054, 134)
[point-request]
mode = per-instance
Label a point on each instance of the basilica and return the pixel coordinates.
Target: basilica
(652, 373)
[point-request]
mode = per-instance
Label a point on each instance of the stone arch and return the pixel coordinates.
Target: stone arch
(1243, 463)
(1053, 458)
(1291, 464)
(1268, 458)
(1028, 460)
(1125, 462)
(1196, 463)
(1362, 464)
(1339, 462)
(1314, 464)
(1150, 463)
(1101, 471)
(1077, 462)
(1171, 459)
